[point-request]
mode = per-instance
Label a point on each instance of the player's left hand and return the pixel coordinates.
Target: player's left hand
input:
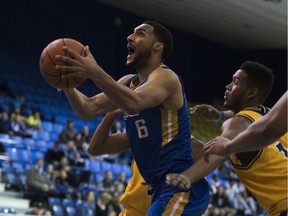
(216, 146)
(76, 65)
(205, 111)
(178, 180)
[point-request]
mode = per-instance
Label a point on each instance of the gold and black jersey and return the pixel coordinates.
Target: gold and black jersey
(264, 172)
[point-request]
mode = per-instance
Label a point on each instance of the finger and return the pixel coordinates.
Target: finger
(206, 156)
(87, 51)
(71, 75)
(65, 59)
(65, 68)
(71, 53)
(193, 110)
(170, 178)
(59, 90)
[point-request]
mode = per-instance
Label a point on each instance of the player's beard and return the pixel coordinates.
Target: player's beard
(141, 59)
(234, 103)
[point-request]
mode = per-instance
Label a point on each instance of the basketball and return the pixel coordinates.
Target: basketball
(47, 63)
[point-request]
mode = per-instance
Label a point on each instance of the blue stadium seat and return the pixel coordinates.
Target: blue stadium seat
(17, 139)
(46, 126)
(18, 167)
(28, 141)
(42, 135)
(4, 136)
(95, 166)
(11, 178)
(54, 136)
(92, 179)
(127, 170)
(70, 211)
(78, 203)
(54, 201)
(57, 128)
(24, 155)
(37, 155)
(6, 167)
(116, 168)
(106, 166)
(57, 210)
(41, 144)
(68, 202)
(61, 119)
(98, 177)
(23, 179)
(12, 153)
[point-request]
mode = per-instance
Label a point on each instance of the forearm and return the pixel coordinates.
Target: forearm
(203, 168)
(78, 102)
(256, 136)
(88, 108)
(102, 142)
(120, 95)
(227, 114)
(102, 131)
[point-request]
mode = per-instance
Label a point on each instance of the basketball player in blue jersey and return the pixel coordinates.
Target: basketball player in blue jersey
(262, 171)
(103, 142)
(155, 109)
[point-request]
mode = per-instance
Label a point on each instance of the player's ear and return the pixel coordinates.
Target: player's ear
(158, 45)
(253, 92)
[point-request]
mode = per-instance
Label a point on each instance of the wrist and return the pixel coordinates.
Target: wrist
(228, 149)
(221, 115)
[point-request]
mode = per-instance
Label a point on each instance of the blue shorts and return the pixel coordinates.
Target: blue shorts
(169, 200)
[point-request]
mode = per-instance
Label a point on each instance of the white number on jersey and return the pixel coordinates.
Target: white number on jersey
(141, 128)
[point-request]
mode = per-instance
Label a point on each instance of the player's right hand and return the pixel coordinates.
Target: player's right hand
(205, 111)
(216, 146)
(178, 180)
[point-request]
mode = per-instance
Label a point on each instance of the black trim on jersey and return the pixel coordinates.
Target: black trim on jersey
(246, 116)
(248, 158)
(129, 81)
(243, 167)
(262, 110)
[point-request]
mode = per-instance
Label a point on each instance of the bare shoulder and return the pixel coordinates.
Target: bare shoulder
(123, 80)
(233, 126)
(165, 75)
(237, 120)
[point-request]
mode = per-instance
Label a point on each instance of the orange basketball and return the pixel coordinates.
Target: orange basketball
(47, 63)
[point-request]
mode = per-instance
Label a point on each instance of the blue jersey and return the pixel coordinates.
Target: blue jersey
(160, 143)
(159, 139)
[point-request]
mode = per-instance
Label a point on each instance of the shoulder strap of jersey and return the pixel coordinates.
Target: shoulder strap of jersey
(253, 113)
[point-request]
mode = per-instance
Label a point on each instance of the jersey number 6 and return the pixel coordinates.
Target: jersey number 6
(141, 128)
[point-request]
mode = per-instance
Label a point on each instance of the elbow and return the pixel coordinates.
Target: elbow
(85, 116)
(132, 109)
(93, 151)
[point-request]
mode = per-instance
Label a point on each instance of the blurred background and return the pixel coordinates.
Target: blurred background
(211, 38)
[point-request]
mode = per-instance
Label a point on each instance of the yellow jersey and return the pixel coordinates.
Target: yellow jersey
(136, 198)
(264, 172)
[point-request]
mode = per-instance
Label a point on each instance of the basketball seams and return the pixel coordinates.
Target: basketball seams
(50, 58)
(47, 62)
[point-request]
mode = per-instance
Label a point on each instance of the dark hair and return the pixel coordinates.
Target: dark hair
(259, 76)
(164, 36)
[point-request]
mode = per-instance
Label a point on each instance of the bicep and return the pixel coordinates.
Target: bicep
(114, 144)
(101, 104)
(276, 119)
(232, 127)
(157, 89)
(197, 149)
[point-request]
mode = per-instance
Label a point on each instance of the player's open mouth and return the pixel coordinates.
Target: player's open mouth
(131, 50)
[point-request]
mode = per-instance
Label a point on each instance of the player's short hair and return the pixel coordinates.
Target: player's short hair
(259, 76)
(164, 36)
